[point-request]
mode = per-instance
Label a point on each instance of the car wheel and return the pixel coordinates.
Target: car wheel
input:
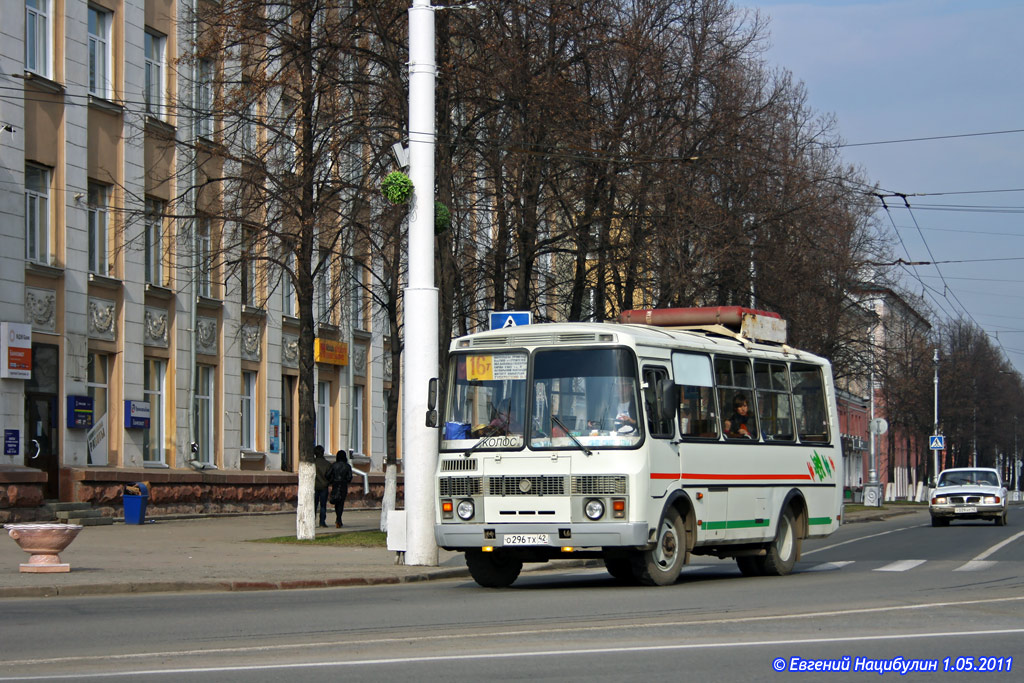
(492, 570)
(660, 566)
(940, 521)
(782, 552)
(1001, 519)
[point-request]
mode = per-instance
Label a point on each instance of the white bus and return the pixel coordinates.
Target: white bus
(630, 443)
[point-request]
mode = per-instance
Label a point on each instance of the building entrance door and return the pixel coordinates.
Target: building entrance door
(287, 397)
(41, 439)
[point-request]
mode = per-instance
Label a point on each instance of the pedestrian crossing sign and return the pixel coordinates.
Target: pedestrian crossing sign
(502, 319)
(937, 442)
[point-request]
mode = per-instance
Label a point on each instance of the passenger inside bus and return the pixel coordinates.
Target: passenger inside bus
(740, 425)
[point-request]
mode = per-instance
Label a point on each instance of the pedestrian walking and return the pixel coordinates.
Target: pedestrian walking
(320, 486)
(340, 476)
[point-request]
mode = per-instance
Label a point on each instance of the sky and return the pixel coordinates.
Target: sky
(893, 70)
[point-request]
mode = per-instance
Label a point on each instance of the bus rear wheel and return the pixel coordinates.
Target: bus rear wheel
(494, 569)
(660, 566)
(782, 552)
(749, 566)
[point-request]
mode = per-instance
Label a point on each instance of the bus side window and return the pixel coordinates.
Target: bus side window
(773, 401)
(660, 429)
(698, 417)
(736, 398)
(809, 403)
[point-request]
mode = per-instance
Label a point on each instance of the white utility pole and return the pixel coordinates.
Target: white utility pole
(935, 424)
(420, 309)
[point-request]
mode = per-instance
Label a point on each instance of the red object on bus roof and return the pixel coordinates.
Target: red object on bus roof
(710, 315)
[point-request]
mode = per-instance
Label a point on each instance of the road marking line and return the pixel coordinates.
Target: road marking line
(862, 538)
(976, 565)
(519, 654)
(828, 566)
(901, 566)
(999, 545)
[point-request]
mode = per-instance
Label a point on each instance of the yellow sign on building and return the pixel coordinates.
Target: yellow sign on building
(330, 351)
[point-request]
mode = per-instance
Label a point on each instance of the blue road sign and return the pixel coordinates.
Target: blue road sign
(937, 442)
(503, 319)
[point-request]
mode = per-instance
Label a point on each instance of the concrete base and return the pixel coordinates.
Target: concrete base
(59, 568)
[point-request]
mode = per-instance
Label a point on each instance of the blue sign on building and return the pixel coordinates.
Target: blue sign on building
(503, 319)
(11, 442)
(80, 412)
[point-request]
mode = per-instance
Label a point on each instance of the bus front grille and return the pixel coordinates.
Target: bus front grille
(459, 486)
(463, 465)
(526, 485)
(599, 485)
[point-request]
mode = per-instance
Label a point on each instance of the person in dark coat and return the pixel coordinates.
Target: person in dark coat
(320, 486)
(340, 476)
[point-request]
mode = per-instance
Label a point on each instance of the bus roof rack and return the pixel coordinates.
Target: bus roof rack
(749, 323)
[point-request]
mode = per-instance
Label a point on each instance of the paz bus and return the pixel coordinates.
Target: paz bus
(672, 433)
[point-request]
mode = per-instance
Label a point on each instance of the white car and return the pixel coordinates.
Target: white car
(968, 493)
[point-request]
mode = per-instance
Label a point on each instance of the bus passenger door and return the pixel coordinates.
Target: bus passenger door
(665, 462)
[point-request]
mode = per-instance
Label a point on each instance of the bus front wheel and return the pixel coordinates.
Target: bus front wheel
(782, 552)
(660, 566)
(494, 569)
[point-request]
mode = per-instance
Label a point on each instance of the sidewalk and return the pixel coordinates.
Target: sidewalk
(216, 554)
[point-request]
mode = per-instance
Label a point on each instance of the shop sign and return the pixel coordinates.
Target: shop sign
(136, 414)
(16, 350)
(80, 412)
(275, 431)
(12, 441)
(330, 351)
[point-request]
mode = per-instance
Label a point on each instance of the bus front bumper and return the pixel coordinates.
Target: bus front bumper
(597, 535)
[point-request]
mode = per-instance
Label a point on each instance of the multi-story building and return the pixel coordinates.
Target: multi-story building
(142, 361)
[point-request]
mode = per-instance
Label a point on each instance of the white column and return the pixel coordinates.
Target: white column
(419, 442)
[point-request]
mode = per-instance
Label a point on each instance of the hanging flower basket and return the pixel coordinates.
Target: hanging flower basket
(396, 188)
(442, 218)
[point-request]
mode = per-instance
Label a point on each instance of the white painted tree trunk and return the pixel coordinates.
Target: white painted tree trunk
(390, 494)
(305, 514)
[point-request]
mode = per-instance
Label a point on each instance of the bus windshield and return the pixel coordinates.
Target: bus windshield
(590, 394)
(486, 402)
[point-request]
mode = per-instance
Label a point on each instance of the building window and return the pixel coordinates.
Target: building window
(99, 262)
(202, 413)
(356, 317)
(357, 419)
(99, 52)
(323, 415)
(322, 294)
(248, 267)
(287, 287)
(153, 393)
(37, 214)
(154, 93)
(248, 435)
(97, 379)
(154, 241)
(37, 37)
(203, 266)
(204, 99)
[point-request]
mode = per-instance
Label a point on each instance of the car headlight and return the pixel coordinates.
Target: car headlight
(594, 509)
(991, 500)
(941, 500)
(465, 510)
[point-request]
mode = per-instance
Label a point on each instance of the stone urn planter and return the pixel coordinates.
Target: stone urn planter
(44, 543)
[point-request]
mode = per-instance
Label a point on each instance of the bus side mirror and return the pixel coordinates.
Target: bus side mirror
(667, 400)
(432, 402)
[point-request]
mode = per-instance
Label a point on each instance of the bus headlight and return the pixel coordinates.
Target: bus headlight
(594, 509)
(465, 510)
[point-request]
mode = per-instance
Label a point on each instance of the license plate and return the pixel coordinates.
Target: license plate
(526, 539)
(965, 510)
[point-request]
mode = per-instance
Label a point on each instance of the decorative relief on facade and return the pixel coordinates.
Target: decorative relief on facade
(206, 336)
(359, 360)
(41, 309)
(250, 336)
(102, 319)
(290, 350)
(156, 327)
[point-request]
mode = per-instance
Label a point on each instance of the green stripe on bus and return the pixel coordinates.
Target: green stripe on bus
(819, 520)
(735, 524)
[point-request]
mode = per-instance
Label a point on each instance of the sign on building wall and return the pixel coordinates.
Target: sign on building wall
(16, 351)
(80, 412)
(275, 431)
(330, 351)
(136, 414)
(12, 442)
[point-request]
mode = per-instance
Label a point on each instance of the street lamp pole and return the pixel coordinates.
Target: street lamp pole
(935, 424)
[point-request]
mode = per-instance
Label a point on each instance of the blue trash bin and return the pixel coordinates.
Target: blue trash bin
(135, 506)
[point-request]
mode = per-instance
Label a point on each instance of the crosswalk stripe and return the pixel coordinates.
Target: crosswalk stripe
(900, 566)
(975, 565)
(828, 566)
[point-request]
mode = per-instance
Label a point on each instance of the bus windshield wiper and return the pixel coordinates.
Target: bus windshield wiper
(576, 441)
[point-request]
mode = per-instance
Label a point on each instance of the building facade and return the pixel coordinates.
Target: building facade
(133, 358)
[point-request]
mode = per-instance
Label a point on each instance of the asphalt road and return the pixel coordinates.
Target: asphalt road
(882, 594)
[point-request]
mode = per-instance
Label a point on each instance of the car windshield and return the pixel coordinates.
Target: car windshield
(968, 478)
(585, 397)
(486, 402)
